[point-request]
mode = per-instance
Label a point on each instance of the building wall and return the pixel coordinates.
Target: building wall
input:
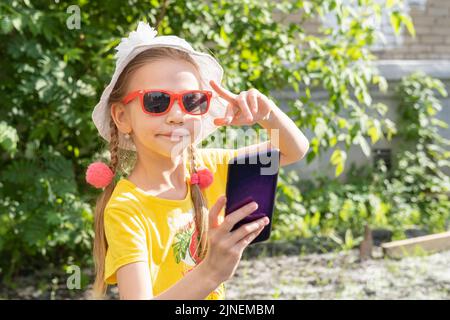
(431, 19)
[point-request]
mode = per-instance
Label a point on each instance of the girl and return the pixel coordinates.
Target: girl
(161, 233)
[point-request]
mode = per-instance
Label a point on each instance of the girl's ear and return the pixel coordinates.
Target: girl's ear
(121, 117)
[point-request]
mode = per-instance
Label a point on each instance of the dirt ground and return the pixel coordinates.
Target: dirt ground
(342, 276)
(337, 275)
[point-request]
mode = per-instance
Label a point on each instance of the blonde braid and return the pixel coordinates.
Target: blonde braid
(201, 211)
(100, 242)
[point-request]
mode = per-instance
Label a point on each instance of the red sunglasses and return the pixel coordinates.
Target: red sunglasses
(157, 102)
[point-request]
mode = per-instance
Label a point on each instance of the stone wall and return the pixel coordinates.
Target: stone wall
(431, 19)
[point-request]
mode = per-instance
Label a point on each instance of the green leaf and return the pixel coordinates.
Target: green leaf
(390, 3)
(374, 133)
(224, 36)
(406, 20)
(8, 138)
(349, 240)
(320, 128)
(396, 21)
(364, 145)
(310, 156)
(338, 158)
(342, 123)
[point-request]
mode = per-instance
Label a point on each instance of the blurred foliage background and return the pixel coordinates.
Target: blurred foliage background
(52, 76)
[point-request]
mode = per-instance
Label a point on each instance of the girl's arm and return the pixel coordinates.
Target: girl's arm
(250, 107)
(134, 283)
(283, 135)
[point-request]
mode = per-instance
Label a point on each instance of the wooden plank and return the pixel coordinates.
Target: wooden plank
(429, 243)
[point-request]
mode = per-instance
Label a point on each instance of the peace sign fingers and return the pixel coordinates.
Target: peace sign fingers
(224, 93)
(238, 111)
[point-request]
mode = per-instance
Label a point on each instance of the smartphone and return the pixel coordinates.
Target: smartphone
(253, 177)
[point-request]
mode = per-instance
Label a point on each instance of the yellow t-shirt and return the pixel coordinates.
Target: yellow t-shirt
(161, 232)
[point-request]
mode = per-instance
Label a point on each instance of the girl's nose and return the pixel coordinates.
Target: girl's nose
(176, 114)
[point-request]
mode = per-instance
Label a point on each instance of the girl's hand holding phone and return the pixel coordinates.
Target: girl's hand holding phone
(225, 247)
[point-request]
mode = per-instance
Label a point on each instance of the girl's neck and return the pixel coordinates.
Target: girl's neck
(158, 173)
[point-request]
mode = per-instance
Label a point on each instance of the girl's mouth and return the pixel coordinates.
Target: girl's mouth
(174, 136)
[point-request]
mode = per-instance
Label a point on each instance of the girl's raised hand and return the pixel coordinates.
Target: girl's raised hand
(225, 247)
(246, 108)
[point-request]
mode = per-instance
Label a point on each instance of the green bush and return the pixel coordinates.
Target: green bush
(44, 222)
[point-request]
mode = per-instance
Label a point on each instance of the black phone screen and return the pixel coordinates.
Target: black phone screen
(253, 177)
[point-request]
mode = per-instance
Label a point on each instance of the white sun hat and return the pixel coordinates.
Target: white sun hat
(143, 39)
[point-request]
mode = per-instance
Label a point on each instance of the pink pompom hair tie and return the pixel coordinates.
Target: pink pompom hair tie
(202, 177)
(99, 174)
